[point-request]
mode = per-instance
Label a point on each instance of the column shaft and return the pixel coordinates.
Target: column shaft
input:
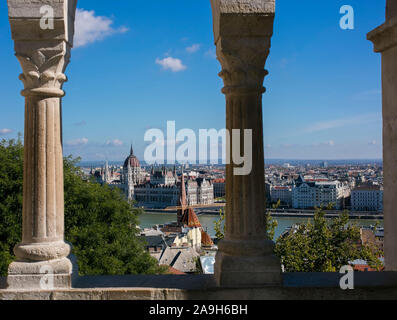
(385, 42)
(43, 54)
(242, 33)
(245, 193)
(389, 72)
(42, 211)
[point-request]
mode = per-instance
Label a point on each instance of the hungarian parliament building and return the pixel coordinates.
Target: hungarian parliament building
(159, 189)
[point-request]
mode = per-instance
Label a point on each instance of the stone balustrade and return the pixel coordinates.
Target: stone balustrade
(246, 267)
(43, 50)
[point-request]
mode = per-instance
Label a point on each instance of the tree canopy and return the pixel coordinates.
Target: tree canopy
(324, 245)
(99, 223)
(320, 245)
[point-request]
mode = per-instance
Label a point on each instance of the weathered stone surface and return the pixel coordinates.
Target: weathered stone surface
(242, 32)
(385, 36)
(244, 6)
(391, 9)
(43, 55)
(385, 41)
(25, 18)
(236, 271)
(42, 251)
(296, 286)
(227, 17)
(31, 8)
(60, 266)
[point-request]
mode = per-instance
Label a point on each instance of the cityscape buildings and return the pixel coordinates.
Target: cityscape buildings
(345, 186)
(157, 189)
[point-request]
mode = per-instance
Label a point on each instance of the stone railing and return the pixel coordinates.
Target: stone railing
(246, 267)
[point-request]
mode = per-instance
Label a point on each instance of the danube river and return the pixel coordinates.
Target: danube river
(149, 219)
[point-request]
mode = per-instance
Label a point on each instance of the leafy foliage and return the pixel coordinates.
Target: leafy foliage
(319, 246)
(11, 172)
(324, 246)
(99, 222)
(101, 225)
(219, 231)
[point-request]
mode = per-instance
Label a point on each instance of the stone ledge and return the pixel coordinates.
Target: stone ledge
(270, 293)
(296, 286)
(384, 37)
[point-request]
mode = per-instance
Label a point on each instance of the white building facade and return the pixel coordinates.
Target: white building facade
(282, 193)
(310, 194)
(367, 198)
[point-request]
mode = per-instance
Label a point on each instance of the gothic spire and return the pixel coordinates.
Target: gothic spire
(182, 200)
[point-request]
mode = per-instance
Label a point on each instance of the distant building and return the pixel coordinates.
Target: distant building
(282, 193)
(367, 198)
(179, 244)
(317, 193)
(219, 188)
(160, 190)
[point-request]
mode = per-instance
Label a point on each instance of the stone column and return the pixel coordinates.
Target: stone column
(385, 42)
(42, 47)
(243, 31)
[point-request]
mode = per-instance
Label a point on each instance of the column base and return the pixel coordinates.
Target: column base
(42, 251)
(235, 268)
(43, 275)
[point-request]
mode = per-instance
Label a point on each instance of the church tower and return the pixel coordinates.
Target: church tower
(182, 201)
(132, 174)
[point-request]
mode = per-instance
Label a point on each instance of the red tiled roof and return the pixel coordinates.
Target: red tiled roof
(172, 270)
(190, 219)
(206, 240)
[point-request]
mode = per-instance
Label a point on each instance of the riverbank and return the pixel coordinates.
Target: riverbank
(287, 213)
(149, 219)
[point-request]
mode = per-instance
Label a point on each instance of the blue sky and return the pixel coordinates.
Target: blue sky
(323, 97)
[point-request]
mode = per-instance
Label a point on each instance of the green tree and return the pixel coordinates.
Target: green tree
(324, 246)
(319, 246)
(11, 172)
(99, 222)
(101, 225)
(219, 230)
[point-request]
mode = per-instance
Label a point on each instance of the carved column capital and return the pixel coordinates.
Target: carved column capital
(43, 39)
(243, 62)
(43, 68)
(242, 31)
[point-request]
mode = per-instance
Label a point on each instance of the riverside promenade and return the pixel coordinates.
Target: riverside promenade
(292, 213)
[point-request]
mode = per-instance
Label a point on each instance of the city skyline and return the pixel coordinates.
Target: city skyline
(137, 65)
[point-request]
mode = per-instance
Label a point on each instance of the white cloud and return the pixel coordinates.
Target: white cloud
(173, 64)
(77, 142)
(90, 28)
(193, 48)
(369, 94)
(5, 131)
(329, 143)
(114, 143)
(211, 53)
(326, 125)
(80, 123)
(372, 143)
